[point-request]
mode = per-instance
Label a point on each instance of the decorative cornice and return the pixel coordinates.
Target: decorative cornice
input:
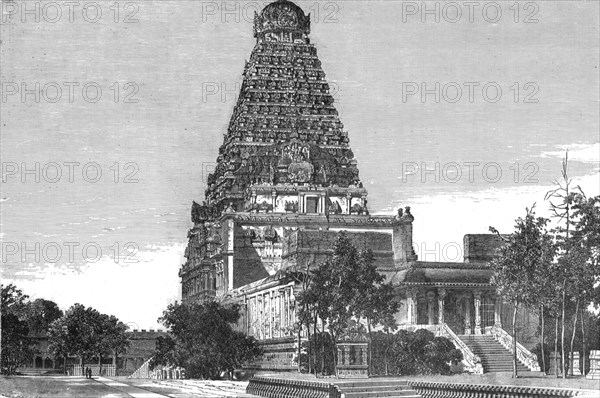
(316, 219)
(447, 284)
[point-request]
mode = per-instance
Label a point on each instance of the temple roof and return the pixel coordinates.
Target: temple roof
(282, 15)
(284, 128)
(434, 273)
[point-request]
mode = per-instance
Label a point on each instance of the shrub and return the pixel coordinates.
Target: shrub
(411, 353)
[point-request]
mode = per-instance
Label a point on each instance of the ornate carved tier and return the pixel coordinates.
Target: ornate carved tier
(284, 128)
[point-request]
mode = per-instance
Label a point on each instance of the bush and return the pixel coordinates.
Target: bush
(412, 353)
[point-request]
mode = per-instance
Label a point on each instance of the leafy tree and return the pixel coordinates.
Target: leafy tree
(75, 333)
(587, 233)
(164, 353)
(87, 333)
(204, 341)
(528, 249)
(345, 286)
(40, 314)
(113, 337)
(13, 300)
(375, 300)
(17, 347)
(577, 235)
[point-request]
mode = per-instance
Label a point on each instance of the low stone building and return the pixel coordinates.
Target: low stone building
(141, 348)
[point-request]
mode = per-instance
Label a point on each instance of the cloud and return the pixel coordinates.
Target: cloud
(135, 292)
(585, 153)
(442, 220)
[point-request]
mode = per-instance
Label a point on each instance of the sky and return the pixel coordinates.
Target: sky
(111, 122)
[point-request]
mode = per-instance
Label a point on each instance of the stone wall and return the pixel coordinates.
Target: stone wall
(279, 355)
(481, 247)
(141, 348)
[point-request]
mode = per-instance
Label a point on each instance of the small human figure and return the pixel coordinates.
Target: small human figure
(87, 370)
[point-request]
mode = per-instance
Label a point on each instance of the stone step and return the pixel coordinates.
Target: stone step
(387, 394)
(387, 387)
(370, 383)
(374, 388)
(494, 357)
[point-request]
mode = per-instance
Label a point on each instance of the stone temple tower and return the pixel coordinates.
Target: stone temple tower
(286, 179)
(286, 183)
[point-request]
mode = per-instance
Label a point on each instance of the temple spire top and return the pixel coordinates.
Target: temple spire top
(282, 17)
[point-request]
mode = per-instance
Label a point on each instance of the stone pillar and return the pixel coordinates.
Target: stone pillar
(594, 365)
(412, 306)
(281, 312)
(261, 315)
(555, 363)
(340, 356)
(467, 315)
(364, 352)
(441, 297)
(498, 312)
(274, 200)
(477, 301)
(348, 203)
(430, 297)
(269, 301)
(574, 363)
(347, 354)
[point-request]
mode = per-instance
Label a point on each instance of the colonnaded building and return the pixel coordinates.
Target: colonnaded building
(286, 182)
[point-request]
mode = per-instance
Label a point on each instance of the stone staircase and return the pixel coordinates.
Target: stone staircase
(371, 388)
(494, 357)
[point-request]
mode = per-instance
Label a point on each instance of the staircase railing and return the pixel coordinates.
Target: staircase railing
(471, 361)
(526, 357)
(143, 372)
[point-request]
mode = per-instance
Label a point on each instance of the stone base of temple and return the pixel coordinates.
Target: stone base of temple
(280, 355)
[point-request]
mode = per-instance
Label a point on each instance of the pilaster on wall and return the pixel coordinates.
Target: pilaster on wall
(229, 253)
(477, 303)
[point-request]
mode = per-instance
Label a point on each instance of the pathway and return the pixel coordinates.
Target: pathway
(144, 388)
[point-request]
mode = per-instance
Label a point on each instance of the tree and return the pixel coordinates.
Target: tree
(13, 299)
(347, 285)
(164, 352)
(586, 234)
(40, 314)
(87, 333)
(528, 249)
(577, 237)
(375, 300)
(75, 333)
(203, 340)
(113, 337)
(16, 347)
